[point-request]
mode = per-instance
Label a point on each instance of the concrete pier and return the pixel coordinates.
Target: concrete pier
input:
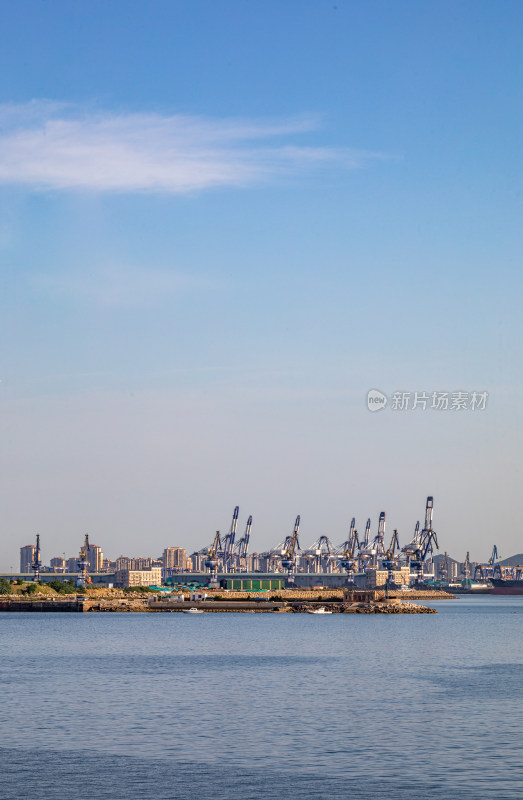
(70, 604)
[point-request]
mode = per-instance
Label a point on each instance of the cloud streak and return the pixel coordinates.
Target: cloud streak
(47, 146)
(116, 286)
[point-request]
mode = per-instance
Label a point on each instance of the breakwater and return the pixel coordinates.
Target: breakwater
(69, 604)
(360, 605)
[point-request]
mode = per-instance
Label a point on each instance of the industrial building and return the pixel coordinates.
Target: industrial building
(374, 578)
(145, 577)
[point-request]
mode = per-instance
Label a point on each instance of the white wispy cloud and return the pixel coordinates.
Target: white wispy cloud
(121, 286)
(46, 145)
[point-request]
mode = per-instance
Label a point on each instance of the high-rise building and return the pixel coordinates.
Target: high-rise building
(57, 564)
(71, 565)
(141, 563)
(197, 560)
(123, 562)
(95, 558)
(174, 558)
(27, 555)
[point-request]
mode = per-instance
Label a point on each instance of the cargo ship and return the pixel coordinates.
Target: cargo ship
(506, 585)
(466, 587)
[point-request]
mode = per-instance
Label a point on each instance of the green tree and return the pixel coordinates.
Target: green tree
(5, 586)
(63, 587)
(138, 589)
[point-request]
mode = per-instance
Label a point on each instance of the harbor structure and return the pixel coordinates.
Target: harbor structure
(361, 561)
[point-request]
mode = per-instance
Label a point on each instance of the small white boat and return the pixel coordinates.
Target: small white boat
(193, 611)
(320, 610)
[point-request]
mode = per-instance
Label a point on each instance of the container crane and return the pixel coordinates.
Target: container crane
(346, 545)
(364, 554)
(289, 556)
(366, 535)
(321, 551)
(409, 549)
(479, 573)
(348, 560)
(242, 546)
(427, 540)
(389, 561)
(211, 560)
(490, 569)
(378, 546)
(228, 542)
(494, 570)
(36, 563)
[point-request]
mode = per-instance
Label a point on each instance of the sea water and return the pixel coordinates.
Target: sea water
(253, 706)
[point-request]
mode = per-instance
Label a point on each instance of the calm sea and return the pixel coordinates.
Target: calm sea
(252, 706)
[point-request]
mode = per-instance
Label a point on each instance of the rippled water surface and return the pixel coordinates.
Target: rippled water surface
(269, 706)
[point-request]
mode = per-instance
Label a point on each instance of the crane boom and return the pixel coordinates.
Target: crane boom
(347, 560)
(289, 556)
(242, 546)
(211, 561)
(389, 562)
(426, 542)
(394, 544)
(228, 541)
(366, 537)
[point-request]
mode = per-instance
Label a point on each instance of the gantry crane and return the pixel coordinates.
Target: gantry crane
(409, 549)
(366, 535)
(348, 555)
(364, 551)
(488, 570)
(83, 563)
(242, 546)
(389, 561)
(378, 543)
(211, 560)
(427, 540)
(292, 544)
(321, 551)
(228, 542)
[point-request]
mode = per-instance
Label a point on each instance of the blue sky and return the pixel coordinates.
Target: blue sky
(221, 224)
